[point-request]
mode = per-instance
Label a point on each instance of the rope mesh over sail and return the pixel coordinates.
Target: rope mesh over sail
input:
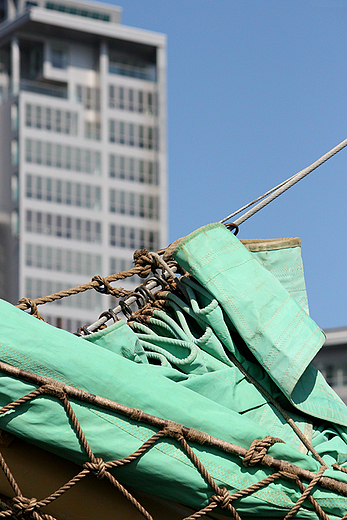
(220, 497)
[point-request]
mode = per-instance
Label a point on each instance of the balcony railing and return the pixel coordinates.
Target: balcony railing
(41, 88)
(133, 71)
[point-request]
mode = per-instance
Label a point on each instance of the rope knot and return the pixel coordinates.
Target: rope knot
(98, 467)
(54, 388)
(104, 286)
(222, 498)
(29, 304)
(173, 429)
(258, 450)
(23, 505)
(144, 260)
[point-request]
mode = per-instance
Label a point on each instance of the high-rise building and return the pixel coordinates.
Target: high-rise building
(331, 360)
(82, 148)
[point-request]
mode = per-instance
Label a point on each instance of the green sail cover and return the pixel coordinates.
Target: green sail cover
(282, 257)
(235, 305)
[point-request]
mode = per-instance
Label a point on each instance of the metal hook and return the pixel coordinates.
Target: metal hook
(232, 227)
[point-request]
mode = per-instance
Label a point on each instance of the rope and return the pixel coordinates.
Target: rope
(145, 263)
(255, 455)
(284, 186)
(281, 410)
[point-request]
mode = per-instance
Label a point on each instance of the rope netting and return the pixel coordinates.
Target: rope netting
(159, 270)
(101, 469)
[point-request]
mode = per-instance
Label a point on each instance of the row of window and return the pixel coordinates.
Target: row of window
(64, 260)
(89, 196)
(133, 238)
(63, 226)
(118, 265)
(131, 134)
(63, 8)
(90, 231)
(134, 204)
(64, 323)
(88, 96)
(63, 156)
(55, 120)
(91, 300)
(133, 100)
(63, 192)
(136, 170)
(336, 375)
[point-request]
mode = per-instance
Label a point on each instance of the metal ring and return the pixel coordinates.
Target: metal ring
(138, 297)
(231, 226)
(83, 331)
(145, 294)
(159, 279)
(110, 315)
(125, 309)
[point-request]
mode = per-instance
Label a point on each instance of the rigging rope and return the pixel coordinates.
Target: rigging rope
(281, 188)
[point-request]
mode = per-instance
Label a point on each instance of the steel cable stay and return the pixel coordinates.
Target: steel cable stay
(157, 259)
(281, 188)
(263, 200)
(161, 277)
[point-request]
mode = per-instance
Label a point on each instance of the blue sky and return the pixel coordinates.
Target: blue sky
(257, 90)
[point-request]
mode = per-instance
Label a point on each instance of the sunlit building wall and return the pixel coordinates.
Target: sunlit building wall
(83, 150)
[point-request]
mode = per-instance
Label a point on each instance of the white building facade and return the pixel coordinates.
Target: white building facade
(83, 148)
(331, 360)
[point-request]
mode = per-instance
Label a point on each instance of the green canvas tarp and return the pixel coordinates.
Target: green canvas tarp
(230, 304)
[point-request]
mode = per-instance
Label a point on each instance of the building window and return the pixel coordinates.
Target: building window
(134, 204)
(14, 223)
(131, 65)
(135, 170)
(64, 8)
(59, 57)
(14, 188)
(92, 130)
(28, 115)
(63, 226)
(133, 238)
(140, 101)
(88, 96)
(63, 192)
(63, 156)
(91, 300)
(130, 134)
(55, 120)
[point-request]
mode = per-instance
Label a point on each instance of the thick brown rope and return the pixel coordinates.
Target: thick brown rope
(306, 493)
(144, 265)
(191, 434)
(281, 410)
(258, 450)
(28, 303)
(221, 497)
